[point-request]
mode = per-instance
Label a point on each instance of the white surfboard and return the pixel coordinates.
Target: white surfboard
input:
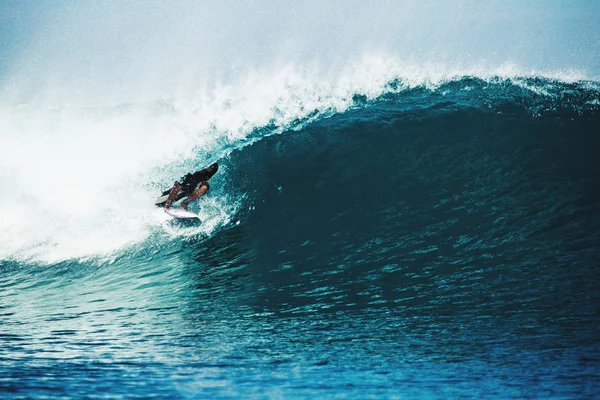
(180, 213)
(161, 199)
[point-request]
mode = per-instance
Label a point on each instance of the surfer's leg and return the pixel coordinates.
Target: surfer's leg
(191, 197)
(196, 194)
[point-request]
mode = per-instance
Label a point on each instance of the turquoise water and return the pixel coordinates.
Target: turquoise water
(427, 243)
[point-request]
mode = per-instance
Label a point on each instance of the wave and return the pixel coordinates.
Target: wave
(407, 196)
(77, 180)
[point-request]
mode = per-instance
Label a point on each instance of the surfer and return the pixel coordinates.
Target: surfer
(193, 185)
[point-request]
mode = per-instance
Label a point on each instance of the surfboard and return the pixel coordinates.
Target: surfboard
(161, 199)
(175, 210)
(180, 213)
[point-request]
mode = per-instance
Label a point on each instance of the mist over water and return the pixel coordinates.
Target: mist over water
(407, 200)
(94, 52)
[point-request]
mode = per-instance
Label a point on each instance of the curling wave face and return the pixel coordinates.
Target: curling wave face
(78, 180)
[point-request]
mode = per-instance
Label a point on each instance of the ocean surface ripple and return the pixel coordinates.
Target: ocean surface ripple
(433, 241)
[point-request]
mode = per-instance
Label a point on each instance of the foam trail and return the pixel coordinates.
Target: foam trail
(77, 180)
(66, 171)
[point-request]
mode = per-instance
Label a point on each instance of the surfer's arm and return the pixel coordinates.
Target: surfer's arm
(172, 196)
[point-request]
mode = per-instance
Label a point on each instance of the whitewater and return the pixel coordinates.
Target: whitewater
(407, 204)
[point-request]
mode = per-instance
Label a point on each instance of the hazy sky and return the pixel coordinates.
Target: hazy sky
(97, 45)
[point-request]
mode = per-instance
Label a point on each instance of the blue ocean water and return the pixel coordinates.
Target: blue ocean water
(407, 205)
(428, 242)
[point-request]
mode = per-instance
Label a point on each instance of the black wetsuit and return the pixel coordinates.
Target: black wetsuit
(190, 182)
